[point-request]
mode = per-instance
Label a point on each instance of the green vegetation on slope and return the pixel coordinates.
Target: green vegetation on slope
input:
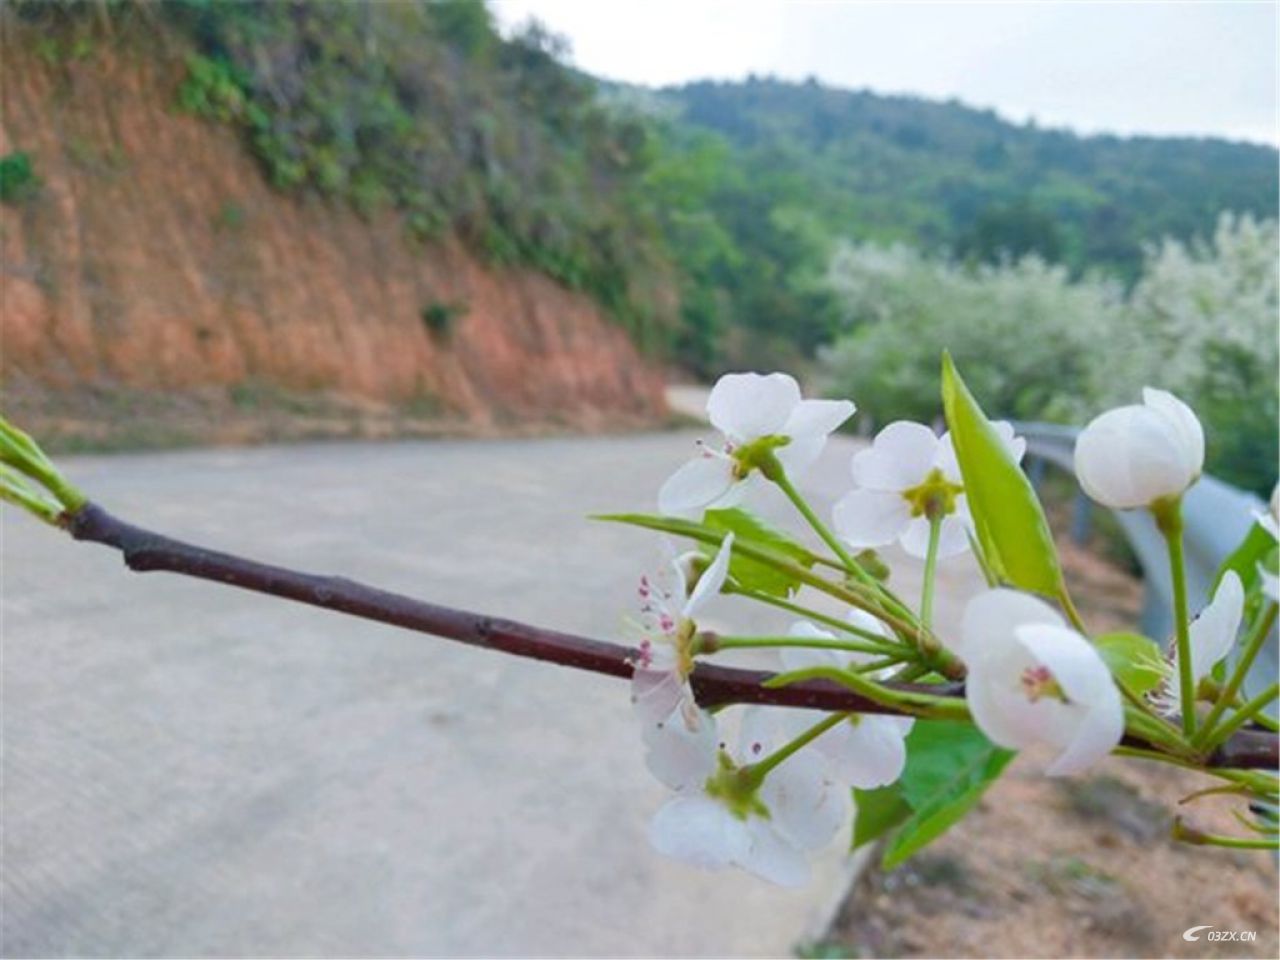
(424, 108)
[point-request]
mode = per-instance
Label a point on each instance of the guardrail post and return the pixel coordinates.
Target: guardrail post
(1035, 472)
(1081, 518)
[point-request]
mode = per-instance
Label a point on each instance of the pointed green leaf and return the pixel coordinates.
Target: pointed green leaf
(748, 528)
(876, 812)
(949, 767)
(1244, 560)
(1007, 516)
(1133, 659)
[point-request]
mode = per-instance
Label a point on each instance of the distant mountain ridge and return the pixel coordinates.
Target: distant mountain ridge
(946, 175)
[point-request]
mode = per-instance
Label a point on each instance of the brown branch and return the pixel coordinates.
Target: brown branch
(145, 551)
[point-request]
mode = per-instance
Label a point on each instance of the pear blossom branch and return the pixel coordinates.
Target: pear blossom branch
(713, 685)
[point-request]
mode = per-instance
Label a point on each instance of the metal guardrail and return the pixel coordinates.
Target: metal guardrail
(1216, 517)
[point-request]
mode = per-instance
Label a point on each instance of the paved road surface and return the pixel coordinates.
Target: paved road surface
(191, 770)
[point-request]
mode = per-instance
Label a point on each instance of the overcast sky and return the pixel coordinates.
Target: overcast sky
(1157, 68)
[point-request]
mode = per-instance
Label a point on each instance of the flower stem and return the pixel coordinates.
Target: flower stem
(801, 611)
(850, 562)
(1257, 637)
(1246, 713)
(1193, 836)
(1259, 783)
(761, 769)
(910, 703)
(715, 644)
(895, 613)
(784, 484)
(1168, 516)
(930, 572)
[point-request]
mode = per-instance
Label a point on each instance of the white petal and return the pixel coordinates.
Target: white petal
(656, 692)
(681, 749)
(1213, 633)
(798, 455)
(868, 751)
(712, 578)
(1096, 736)
(871, 518)
(802, 658)
(770, 857)
(745, 406)
(817, 418)
(760, 731)
(682, 567)
(865, 621)
(1267, 521)
(699, 831)
(1270, 583)
(900, 457)
(806, 804)
(952, 538)
(1184, 421)
(945, 459)
(1015, 445)
(990, 618)
(697, 485)
(1131, 456)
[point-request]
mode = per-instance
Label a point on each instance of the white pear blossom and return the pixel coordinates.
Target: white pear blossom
(1032, 679)
(1136, 455)
(660, 683)
(906, 471)
(748, 409)
(769, 831)
(867, 750)
(1212, 635)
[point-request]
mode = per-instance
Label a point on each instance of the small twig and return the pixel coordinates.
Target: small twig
(145, 551)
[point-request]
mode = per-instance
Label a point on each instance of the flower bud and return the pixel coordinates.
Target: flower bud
(1136, 455)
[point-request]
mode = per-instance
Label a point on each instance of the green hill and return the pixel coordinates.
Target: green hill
(946, 176)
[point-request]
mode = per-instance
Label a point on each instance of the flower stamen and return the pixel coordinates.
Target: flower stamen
(1037, 682)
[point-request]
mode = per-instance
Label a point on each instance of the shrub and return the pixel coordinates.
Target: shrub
(18, 180)
(439, 318)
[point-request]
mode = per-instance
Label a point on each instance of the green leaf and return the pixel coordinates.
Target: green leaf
(949, 767)
(1010, 523)
(795, 566)
(1244, 560)
(1132, 658)
(876, 812)
(753, 574)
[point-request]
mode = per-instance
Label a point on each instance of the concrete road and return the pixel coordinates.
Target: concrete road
(191, 770)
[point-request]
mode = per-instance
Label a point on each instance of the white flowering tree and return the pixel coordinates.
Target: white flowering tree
(1200, 320)
(875, 713)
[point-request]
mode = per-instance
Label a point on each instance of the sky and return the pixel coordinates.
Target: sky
(1162, 68)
